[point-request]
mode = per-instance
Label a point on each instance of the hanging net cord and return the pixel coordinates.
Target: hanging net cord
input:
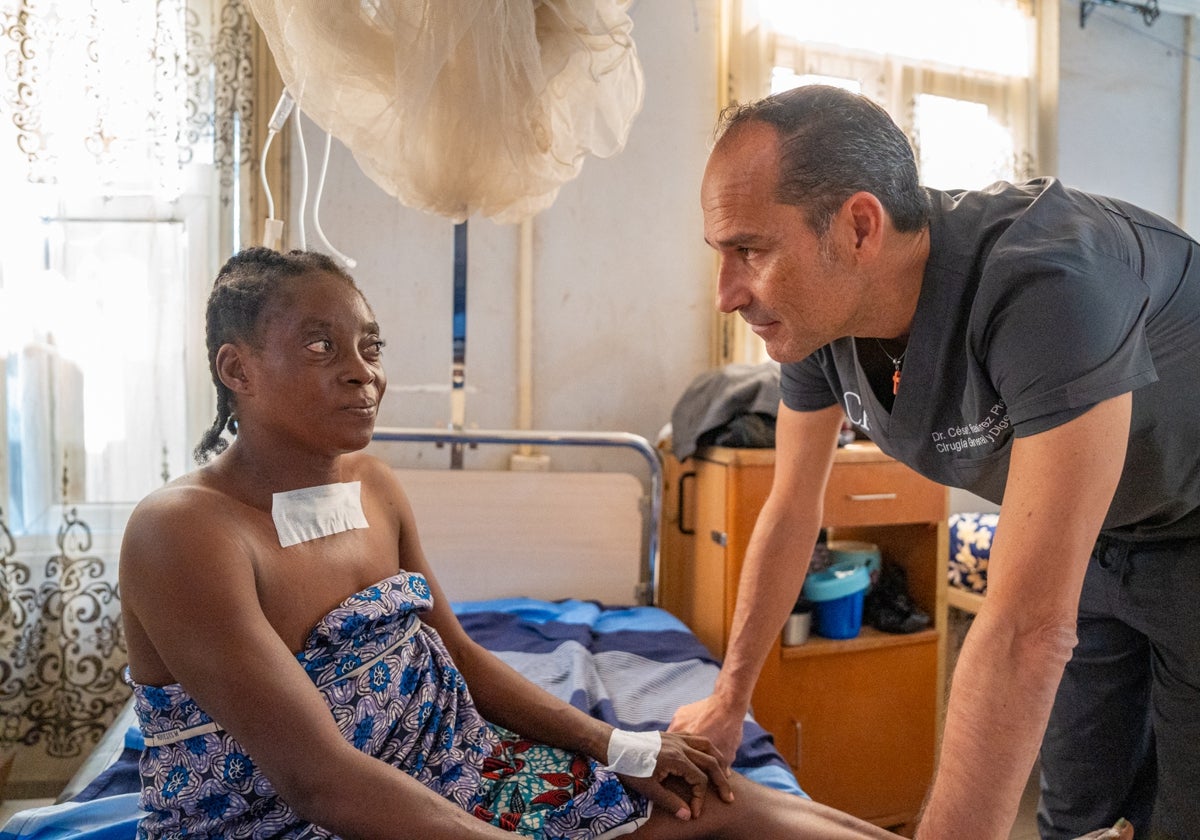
(463, 106)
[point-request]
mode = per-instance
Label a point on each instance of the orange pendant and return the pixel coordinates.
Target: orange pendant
(896, 381)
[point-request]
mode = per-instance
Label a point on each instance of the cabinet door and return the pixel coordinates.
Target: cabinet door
(710, 592)
(858, 727)
(677, 539)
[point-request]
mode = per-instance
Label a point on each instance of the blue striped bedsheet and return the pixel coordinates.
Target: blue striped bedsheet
(631, 667)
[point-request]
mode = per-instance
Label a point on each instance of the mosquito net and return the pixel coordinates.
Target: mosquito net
(463, 106)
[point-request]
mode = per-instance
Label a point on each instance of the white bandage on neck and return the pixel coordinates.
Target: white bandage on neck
(313, 512)
(633, 753)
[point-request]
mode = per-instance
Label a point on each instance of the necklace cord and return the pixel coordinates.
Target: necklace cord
(896, 361)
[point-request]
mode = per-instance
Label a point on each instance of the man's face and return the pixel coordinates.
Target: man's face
(782, 278)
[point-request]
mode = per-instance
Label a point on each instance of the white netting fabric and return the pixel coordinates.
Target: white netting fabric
(463, 106)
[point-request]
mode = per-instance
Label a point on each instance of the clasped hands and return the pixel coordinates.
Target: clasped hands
(687, 764)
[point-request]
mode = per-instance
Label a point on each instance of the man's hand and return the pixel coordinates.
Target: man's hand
(1122, 830)
(708, 717)
(693, 762)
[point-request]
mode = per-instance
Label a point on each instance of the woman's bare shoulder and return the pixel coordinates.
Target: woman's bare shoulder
(376, 474)
(363, 465)
(190, 496)
(188, 517)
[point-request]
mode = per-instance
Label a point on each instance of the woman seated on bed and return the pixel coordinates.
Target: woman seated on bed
(297, 669)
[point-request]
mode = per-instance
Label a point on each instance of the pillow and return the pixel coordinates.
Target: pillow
(970, 546)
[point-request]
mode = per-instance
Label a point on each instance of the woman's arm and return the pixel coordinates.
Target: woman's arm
(188, 589)
(508, 699)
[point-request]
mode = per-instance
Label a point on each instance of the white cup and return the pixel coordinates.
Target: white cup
(795, 632)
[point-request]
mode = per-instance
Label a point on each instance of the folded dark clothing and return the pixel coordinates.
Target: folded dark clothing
(734, 405)
(746, 431)
(889, 607)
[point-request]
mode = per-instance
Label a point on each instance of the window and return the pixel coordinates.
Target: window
(124, 131)
(95, 362)
(123, 139)
(965, 103)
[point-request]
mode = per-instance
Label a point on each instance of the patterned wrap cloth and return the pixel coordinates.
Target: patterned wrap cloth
(396, 695)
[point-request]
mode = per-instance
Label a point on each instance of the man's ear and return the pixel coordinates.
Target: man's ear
(231, 368)
(866, 218)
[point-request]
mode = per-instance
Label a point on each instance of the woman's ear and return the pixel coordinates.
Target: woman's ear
(231, 368)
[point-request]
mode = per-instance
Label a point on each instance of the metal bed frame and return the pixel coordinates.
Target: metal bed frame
(457, 438)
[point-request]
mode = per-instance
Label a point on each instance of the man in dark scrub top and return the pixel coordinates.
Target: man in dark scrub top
(1035, 345)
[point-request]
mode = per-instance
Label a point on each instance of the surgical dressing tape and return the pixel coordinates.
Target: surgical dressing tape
(314, 512)
(634, 753)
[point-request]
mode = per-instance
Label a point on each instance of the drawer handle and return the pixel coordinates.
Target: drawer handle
(681, 505)
(871, 497)
(797, 759)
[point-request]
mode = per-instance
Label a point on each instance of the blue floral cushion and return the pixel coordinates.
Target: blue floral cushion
(970, 545)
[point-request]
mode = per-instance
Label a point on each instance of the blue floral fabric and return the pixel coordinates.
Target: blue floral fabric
(970, 548)
(396, 695)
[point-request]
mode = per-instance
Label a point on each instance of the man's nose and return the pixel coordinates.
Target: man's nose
(732, 293)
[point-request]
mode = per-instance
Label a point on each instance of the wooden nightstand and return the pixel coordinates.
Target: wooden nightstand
(857, 718)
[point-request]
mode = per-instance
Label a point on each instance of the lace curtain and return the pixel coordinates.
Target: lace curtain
(128, 134)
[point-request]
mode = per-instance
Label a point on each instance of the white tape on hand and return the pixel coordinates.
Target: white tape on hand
(633, 753)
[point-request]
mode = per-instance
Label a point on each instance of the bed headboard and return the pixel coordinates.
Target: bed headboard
(550, 535)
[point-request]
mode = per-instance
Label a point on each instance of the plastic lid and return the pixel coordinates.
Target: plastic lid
(838, 581)
(864, 553)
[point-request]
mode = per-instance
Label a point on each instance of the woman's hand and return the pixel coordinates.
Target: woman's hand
(693, 763)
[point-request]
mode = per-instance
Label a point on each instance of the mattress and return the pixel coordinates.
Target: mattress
(630, 666)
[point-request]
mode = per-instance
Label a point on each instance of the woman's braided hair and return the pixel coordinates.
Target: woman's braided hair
(244, 285)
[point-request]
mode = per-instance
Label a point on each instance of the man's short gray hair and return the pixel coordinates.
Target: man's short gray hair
(834, 143)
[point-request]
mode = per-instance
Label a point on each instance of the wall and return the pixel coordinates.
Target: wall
(622, 278)
(622, 286)
(1118, 114)
(1122, 103)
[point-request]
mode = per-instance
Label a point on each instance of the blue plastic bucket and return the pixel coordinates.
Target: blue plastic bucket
(837, 596)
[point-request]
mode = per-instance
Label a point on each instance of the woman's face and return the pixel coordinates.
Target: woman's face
(317, 371)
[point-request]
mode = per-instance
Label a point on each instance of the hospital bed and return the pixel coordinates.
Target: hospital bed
(555, 572)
